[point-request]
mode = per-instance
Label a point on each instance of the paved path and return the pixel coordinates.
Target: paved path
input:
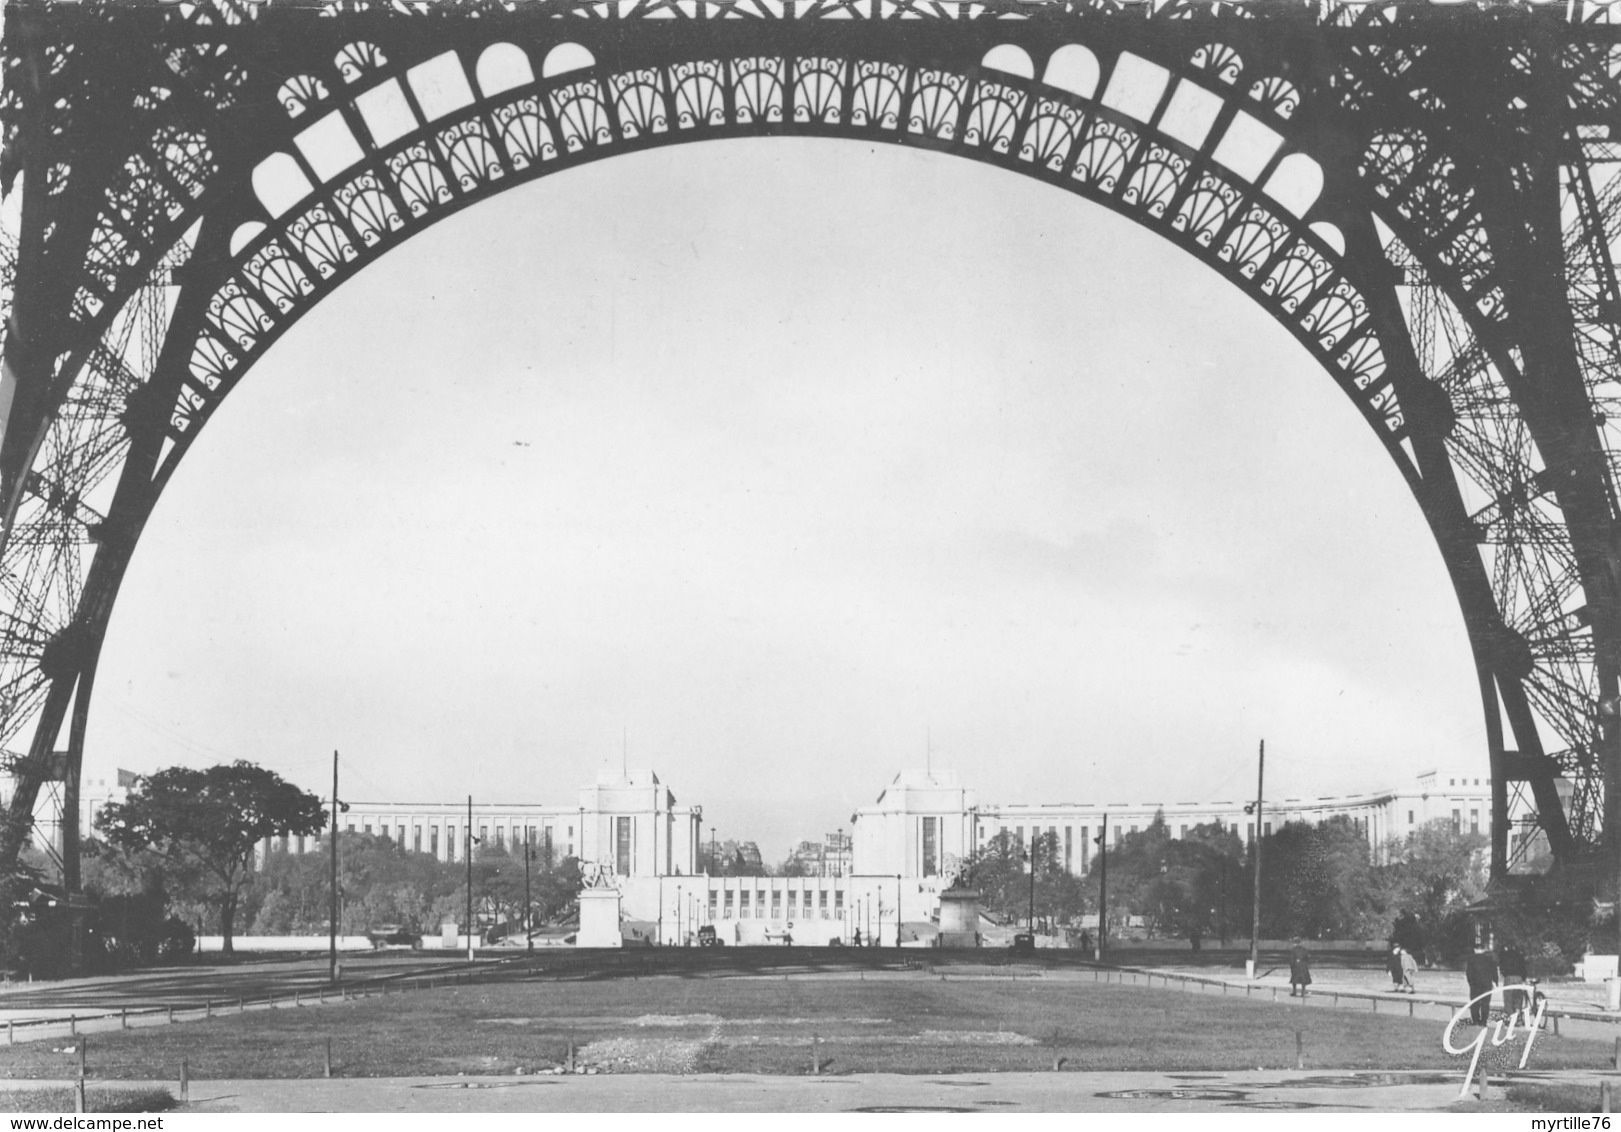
(873, 1092)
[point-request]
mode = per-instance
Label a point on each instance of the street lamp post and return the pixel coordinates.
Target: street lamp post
(680, 937)
(332, 959)
(528, 903)
(1103, 886)
(898, 920)
(469, 855)
(1255, 924)
(1031, 857)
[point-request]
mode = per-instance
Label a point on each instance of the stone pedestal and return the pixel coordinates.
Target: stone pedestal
(959, 918)
(599, 919)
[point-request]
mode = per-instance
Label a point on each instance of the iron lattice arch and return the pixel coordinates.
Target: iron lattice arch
(1426, 197)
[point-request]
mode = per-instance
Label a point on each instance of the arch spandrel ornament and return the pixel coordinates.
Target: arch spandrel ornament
(1445, 259)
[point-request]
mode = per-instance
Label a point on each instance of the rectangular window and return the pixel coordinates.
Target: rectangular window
(416, 838)
(368, 828)
(821, 903)
(1184, 834)
(1457, 822)
(776, 904)
(1267, 829)
(1117, 836)
(714, 898)
(1474, 821)
(1069, 848)
(728, 905)
(1018, 836)
(838, 904)
(793, 903)
(759, 904)
(931, 847)
(1249, 831)
(483, 835)
(351, 827)
(1409, 817)
(1086, 848)
(622, 846)
(743, 904)
(433, 841)
(500, 838)
(450, 843)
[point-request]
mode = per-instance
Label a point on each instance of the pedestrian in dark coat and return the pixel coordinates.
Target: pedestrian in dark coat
(1481, 973)
(1299, 969)
(1511, 970)
(1393, 966)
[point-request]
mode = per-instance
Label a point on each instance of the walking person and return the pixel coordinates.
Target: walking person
(1393, 966)
(1481, 973)
(1511, 970)
(1409, 968)
(1299, 969)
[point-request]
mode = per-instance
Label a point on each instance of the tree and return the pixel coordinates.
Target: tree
(211, 820)
(1000, 871)
(1318, 882)
(1433, 874)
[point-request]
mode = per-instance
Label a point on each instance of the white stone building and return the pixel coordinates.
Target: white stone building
(925, 818)
(627, 821)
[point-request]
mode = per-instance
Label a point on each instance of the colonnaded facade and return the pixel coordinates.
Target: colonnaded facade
(900, 853)
(905, 848)
(925, 818)
(628, 821)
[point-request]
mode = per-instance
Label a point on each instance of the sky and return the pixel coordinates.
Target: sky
(778, 466)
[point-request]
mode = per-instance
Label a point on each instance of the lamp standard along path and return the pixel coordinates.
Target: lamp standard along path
(1255, 924)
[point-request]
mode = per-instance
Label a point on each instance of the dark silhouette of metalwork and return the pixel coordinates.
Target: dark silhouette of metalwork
(1426, 196)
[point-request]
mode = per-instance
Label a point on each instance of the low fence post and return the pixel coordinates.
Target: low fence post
(329, 1057)
(78, 1092)
(171, 1014)
(73, 1023)
(123, 1019)
(816, 1058)
(185, 1081)
(1300, 1049)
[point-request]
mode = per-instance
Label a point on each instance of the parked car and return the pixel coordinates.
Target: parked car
(708, 938)
(393, 935)
(1024, 943)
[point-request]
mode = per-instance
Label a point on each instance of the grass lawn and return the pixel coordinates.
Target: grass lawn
(59, 1099)
(766, 1025)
